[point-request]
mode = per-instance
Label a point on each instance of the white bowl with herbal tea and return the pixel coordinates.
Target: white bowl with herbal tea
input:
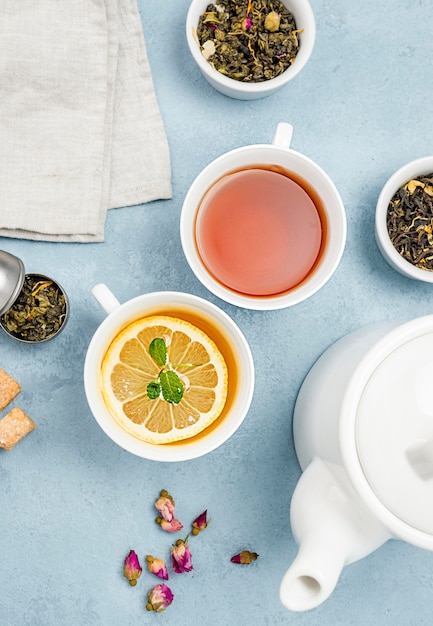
(263, 226)
(39, 312)
(248, 49)
(168, 376)
(404, 220)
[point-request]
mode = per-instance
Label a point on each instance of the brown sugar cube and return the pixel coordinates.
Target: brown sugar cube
(13, 427)
(9, 388)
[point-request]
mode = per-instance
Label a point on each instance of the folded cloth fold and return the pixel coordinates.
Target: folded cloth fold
(80, 126)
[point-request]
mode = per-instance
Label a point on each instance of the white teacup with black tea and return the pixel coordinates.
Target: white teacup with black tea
(263, 226)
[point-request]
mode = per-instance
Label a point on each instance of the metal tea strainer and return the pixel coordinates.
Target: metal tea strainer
(12, 275)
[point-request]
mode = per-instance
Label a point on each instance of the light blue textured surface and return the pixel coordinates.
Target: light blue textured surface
(72, 502)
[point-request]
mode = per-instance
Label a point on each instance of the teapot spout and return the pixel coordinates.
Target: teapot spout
(332, 528)
(313, 575)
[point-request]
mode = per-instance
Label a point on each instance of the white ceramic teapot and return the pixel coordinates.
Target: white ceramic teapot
(363, 431)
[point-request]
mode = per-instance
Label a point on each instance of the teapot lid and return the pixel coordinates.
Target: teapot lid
(12, 276)
(394, 426)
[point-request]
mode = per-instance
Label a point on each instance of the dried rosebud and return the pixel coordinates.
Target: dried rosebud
(132, 568)
(246, 24)
(272, 21)
(165, 505)
(159, 598)
(181, 557)
(157, 567)
(200, 523)
(245, 557)
(171, 527)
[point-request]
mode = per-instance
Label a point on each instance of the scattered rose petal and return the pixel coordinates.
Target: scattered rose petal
(200, 523)
(159, 598)
(171, 527)
(181, 557)
(245, 557)
(157, 567)
(132, 568)
(165, 505)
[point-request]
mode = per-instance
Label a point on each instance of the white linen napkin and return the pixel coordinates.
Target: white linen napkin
(80, 126)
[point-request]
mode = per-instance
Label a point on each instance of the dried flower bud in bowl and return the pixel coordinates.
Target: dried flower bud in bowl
(404, 220)
(248, 49)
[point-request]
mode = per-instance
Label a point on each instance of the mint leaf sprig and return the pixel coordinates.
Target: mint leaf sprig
(168, 383)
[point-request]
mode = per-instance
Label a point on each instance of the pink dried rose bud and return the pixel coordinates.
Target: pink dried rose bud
(157, 567)
(246, 23)
(159, 598)
(200, 523)
(165, 505)
(181, 557)
(245, 557)
(171, 527)
(132, 568)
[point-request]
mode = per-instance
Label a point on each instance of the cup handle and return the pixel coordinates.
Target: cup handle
(283, 135)
(105, 298)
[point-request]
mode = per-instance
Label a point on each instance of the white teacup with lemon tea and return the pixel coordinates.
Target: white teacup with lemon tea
(168, 376)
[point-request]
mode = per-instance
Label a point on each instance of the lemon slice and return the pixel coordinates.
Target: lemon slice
(128, 369)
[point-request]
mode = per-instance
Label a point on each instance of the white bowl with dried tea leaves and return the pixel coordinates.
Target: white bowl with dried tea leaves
(248, 49)
(404, 220)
